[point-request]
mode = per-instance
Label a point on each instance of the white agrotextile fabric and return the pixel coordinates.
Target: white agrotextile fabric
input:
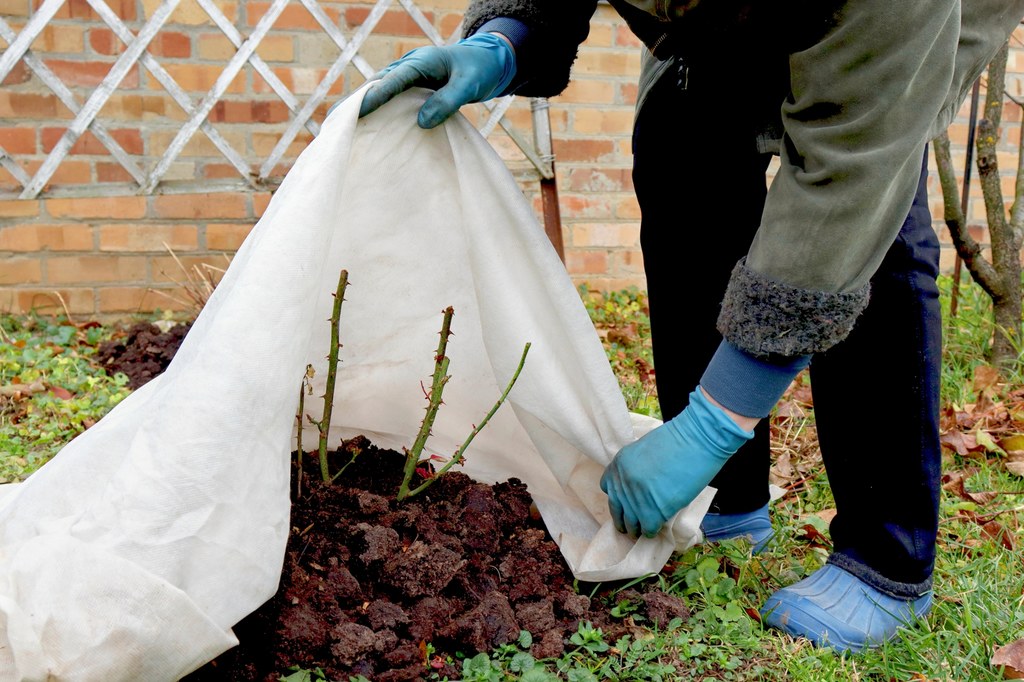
(132, 554)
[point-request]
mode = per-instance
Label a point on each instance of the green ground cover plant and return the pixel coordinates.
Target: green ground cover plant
(979, 581)
(51, 389)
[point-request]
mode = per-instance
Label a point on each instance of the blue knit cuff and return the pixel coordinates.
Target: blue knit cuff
(519, 35)
(516, 31)
(748, 385)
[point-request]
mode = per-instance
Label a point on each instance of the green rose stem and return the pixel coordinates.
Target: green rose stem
(324, 425)
(298, 434)
(412, 456)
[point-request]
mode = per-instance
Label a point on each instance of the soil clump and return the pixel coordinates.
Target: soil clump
(143, 352)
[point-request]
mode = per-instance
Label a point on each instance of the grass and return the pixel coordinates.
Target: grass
(979, 584)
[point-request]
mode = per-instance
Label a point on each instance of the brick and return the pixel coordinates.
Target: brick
(80, 9)
(18, 75)
(586, 262)
(135, 107)
(90, 74)
(125, 208)
(78, 301)
(219, 171)
(31, 105)
(598, 180)
(199, 145)
(201, 77)
(190, 13)
(586, 206)
(19, 208)
(141, 299)
(393, 23)
(586, 91)
(582, 150)
(15, 270)
(300, 80)
(602, 122)
(18, 140)
(14, 8)
(249, 112)
(112, 172)
(264, 143)
(294, 16)
(600, 35)
(103, 41)
(172, 44)
(85, 269)
(273, 48)
(628, 93)
(605, 235)
(200, 206)
(215, 47)
(276, 48)
(630, 261)
(195, 269)
(130, 140)
(260, 201)
(226, 237)
(624, 37)
(449, 24)
(46, 237)
(60, 39)
(607, 63)
(67, 173)
(148, 237)
(627, 208)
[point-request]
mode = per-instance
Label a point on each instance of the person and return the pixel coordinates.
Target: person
(832, 267)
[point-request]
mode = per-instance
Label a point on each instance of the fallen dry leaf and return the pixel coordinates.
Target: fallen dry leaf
(826, 515)
(985, 377)
(16, 390)
(960, 442)
(1015, 468)
(62, 393)
(1000, 534)
(1011, 659)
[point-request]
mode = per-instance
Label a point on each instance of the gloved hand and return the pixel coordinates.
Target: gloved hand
(651, 479)
(473, 70)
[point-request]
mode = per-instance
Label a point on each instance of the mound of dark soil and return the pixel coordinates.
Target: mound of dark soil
(369, 582)
(142, 352)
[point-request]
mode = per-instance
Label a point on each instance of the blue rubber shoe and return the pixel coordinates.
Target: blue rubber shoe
(755, 526)
(835, 609)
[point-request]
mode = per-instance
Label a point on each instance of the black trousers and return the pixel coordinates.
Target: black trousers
(701, 185)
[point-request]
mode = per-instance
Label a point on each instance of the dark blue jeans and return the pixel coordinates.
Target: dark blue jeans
(701, 184)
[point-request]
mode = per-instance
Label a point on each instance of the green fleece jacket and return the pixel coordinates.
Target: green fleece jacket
(870, 82)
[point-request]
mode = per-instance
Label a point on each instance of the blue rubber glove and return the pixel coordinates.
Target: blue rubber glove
(473, 70)
(651, 479)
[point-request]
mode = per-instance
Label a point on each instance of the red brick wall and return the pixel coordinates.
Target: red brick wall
(107, 256)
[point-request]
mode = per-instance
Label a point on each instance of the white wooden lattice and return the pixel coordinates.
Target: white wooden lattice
(301, 113)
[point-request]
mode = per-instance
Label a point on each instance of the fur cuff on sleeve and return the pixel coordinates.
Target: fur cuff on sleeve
(766, 317)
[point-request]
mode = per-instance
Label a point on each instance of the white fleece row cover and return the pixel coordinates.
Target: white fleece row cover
(132, 554)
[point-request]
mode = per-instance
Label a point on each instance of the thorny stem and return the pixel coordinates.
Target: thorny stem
(298, 434)
(324, 425)
(412, 455)
(460, 453)
(355, 454)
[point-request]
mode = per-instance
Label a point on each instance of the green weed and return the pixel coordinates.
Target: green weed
(52, 389)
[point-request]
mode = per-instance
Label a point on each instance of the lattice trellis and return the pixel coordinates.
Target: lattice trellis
(152, 180)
